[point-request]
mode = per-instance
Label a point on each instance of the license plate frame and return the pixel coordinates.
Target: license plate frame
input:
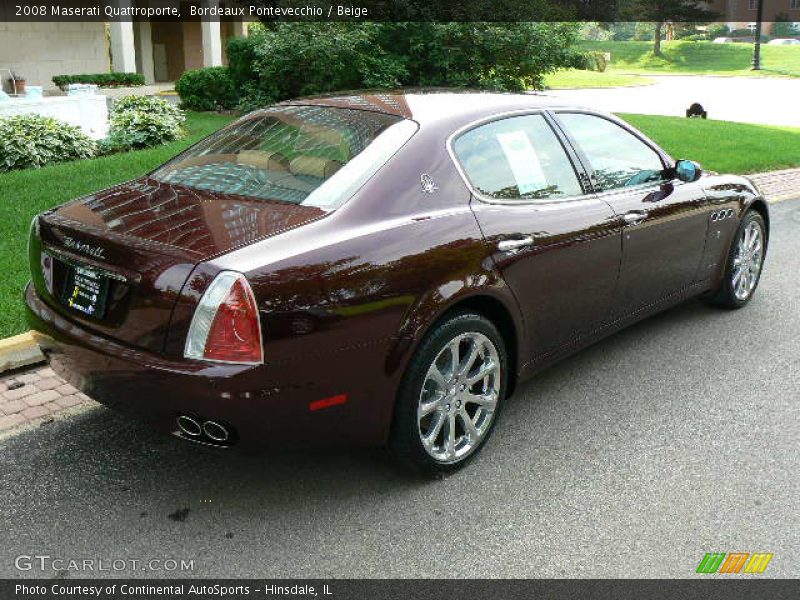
(86, 290)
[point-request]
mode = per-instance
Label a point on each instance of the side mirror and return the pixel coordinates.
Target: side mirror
(687, 171)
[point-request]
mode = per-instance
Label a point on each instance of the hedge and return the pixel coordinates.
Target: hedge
(287, 60)
(210, 88)
(102, 79)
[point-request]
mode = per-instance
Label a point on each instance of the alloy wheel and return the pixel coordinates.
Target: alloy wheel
(747, 260)
(459, 397)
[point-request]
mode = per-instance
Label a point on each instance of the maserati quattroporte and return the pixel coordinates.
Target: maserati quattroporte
(378, 268)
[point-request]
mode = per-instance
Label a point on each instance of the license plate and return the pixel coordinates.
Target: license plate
(86, 291)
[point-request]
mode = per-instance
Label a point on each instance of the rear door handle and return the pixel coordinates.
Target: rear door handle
(510, 245)
(634, 217)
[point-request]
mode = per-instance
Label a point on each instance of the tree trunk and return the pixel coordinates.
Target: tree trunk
(657, 43)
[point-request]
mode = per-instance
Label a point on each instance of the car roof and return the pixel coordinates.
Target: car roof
(427, 105)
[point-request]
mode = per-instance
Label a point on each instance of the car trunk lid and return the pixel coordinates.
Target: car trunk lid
(116, 261)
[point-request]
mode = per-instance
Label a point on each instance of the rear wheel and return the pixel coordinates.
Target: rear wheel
(744, 263)
(450, 396)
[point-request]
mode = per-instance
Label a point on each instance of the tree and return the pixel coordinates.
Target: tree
(660, 12)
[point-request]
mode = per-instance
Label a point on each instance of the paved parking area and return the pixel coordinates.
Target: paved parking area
(763, 100)
(676, 437)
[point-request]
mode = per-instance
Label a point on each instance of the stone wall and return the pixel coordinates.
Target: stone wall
(40, 50)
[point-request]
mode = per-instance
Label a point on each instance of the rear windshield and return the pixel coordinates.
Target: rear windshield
(312, 155)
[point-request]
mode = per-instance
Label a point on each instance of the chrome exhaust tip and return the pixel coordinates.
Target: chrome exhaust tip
(189, 426)
(216, 431)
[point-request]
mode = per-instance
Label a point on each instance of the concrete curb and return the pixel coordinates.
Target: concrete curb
(20, 351)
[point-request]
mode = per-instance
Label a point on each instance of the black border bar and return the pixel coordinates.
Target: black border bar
(711, 588)
(346, 10)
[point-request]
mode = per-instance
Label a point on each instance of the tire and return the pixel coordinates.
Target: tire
(433, 400)
(744, 263)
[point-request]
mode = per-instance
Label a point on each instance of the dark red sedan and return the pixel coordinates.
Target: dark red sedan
(378, 268)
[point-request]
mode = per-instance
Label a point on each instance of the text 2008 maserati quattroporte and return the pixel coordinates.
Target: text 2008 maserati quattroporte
(378, 268)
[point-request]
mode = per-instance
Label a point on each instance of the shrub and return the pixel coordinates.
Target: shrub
(141, 122)
(287, 60)
(242, 55)
(211, 88)
(101, 79)
(35, 141)
(589, 61)
(716, 30)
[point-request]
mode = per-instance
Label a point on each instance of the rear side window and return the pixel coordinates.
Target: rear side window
(618, 158)
(518, 158)
(313, 155)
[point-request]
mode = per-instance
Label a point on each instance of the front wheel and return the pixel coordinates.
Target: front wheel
(450, 396)
(744, 263)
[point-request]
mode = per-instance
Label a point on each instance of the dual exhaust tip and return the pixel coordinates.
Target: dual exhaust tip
(196, 429)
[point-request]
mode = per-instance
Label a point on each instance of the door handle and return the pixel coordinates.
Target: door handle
(634, 217)
(511, 245)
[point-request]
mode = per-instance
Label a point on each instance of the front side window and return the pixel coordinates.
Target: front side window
(311, 155)
(518, 158)
(618, 158)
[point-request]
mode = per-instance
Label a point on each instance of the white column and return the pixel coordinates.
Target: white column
(123, 53)
(145, 51)
(212, 39)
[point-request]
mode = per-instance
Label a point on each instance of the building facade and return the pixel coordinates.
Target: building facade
(160, 50)
(741, 14)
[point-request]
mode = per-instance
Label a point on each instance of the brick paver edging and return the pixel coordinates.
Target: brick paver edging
(35, 397)
(778, 185)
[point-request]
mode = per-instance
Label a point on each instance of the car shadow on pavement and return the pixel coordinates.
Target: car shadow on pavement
(111, 449)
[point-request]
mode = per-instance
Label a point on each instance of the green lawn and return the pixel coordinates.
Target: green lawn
(26, 193)
(723, 146)
(697, 57)
(574, 78)
(716, 145)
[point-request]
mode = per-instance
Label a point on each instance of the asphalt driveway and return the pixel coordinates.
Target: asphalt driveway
(677, 437)
(762, 100)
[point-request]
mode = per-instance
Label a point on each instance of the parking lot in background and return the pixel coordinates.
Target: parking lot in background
(766, 101)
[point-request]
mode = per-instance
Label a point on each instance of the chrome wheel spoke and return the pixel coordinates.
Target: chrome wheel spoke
(429, 439)
(454, 356)
(450, 437)
(474, 353)
(436, 376)
(486, 369)
(737, 275)
(469, 427)
(428, 407)
(487, 401)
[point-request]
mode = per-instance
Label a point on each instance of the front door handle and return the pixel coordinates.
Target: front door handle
(511, 245)
(634, 217)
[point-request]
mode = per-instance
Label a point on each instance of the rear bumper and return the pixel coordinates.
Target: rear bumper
(266, 405)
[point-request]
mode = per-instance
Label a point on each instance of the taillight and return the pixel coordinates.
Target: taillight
(226, 326)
